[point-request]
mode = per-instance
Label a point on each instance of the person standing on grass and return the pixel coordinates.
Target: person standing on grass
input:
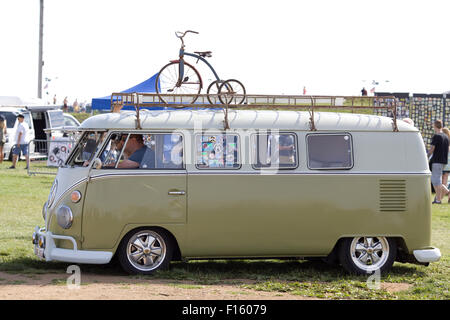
(439, 153)
(2, 136)
(21, 145)
(446, 169)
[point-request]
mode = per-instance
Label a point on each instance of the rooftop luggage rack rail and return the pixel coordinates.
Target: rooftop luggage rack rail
(250, 101)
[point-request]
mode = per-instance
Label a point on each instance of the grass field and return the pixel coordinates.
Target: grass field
(22, 197)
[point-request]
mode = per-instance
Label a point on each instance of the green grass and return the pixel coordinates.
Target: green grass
(22, 198)
(82, 115)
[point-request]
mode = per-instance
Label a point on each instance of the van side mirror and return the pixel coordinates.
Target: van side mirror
(97, 163)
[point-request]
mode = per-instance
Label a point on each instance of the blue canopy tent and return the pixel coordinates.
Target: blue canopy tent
(104, 103)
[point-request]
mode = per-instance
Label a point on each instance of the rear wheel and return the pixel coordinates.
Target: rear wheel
(167, 82)
(365, 255)
(144, 251)
(232, 92)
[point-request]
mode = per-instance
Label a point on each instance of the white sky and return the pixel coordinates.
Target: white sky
(95, 47)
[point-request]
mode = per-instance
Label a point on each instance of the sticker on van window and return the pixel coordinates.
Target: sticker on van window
(217, 151)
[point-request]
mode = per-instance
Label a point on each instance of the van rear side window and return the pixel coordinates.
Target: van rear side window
(274, 151)
(329, 151)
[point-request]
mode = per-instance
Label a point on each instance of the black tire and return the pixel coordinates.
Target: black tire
(168, 77)
(213, 88)
(354, 262)
(163, 241)
(10, 156)
(229, 89)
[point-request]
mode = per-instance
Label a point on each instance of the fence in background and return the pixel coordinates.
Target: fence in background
(423, 109)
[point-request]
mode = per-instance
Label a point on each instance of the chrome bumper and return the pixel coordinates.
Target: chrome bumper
(427, 255)
(45, 248)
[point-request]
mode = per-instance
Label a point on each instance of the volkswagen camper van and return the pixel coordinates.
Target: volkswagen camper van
(174, 184)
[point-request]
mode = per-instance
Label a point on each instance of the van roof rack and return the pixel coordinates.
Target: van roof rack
(252, 101)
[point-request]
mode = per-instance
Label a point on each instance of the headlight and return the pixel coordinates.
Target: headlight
(64, 217)
(52, 195)
(41, 242)
(44, 210)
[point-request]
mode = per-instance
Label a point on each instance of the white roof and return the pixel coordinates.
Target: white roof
(14, 101)
(243, 119)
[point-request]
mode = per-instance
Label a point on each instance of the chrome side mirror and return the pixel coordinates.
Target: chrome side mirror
(97, 163)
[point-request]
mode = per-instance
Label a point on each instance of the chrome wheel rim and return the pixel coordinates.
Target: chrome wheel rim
(369, 253)
(146, 250)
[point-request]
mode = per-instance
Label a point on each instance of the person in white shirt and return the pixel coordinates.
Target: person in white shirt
(21, 145)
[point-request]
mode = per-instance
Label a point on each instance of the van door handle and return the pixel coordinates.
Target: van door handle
(177, 193)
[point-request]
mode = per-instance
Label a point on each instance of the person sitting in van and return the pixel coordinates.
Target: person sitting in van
(286, 147)
(135, 148)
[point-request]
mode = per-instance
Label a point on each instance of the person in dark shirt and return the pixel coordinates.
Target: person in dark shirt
(135, 147)
(439, 153)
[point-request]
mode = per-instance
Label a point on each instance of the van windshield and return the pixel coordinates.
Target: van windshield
(86, 148)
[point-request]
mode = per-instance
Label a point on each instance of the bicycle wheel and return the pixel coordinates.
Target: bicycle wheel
(232, 92)
(213, 89)
(167, 82)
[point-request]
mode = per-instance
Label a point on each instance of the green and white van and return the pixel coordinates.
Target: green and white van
(353, 191)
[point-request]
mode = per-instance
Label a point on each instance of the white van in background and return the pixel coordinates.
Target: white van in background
(38, 119)
(46, 117)
(10, 114)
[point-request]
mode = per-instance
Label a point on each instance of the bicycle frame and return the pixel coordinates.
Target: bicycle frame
(181, 65)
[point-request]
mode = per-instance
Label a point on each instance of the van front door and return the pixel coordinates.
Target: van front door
(151, 194)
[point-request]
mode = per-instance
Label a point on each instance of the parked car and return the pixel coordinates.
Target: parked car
(354, 191)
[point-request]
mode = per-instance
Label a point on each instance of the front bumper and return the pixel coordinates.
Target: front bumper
(427, 255)
(45, 248)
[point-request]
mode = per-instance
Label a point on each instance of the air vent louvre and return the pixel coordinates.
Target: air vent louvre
(392, 195)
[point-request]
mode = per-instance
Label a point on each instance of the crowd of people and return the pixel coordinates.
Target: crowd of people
(75, 107)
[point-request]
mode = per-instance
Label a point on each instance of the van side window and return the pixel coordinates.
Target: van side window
(143, 151)
(274, 151)
(329, 151)
(217, 151)
(164, 151)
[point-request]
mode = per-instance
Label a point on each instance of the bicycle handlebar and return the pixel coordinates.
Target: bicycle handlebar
(180, 34)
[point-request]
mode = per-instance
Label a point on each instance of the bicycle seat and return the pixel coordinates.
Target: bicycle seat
(204, 54)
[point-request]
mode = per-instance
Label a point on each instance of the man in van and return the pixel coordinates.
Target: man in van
(135, 147)
(21, 145)
(439, 152)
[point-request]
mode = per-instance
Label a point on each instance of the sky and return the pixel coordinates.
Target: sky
(95, 47)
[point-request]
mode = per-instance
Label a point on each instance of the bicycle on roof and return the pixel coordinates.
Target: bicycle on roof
(179, 77)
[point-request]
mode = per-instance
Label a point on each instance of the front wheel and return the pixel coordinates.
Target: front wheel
(213, 90)
(365, 255)
(144, 251)
(168, 82)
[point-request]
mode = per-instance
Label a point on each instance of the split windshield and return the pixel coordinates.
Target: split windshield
(86, 148)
